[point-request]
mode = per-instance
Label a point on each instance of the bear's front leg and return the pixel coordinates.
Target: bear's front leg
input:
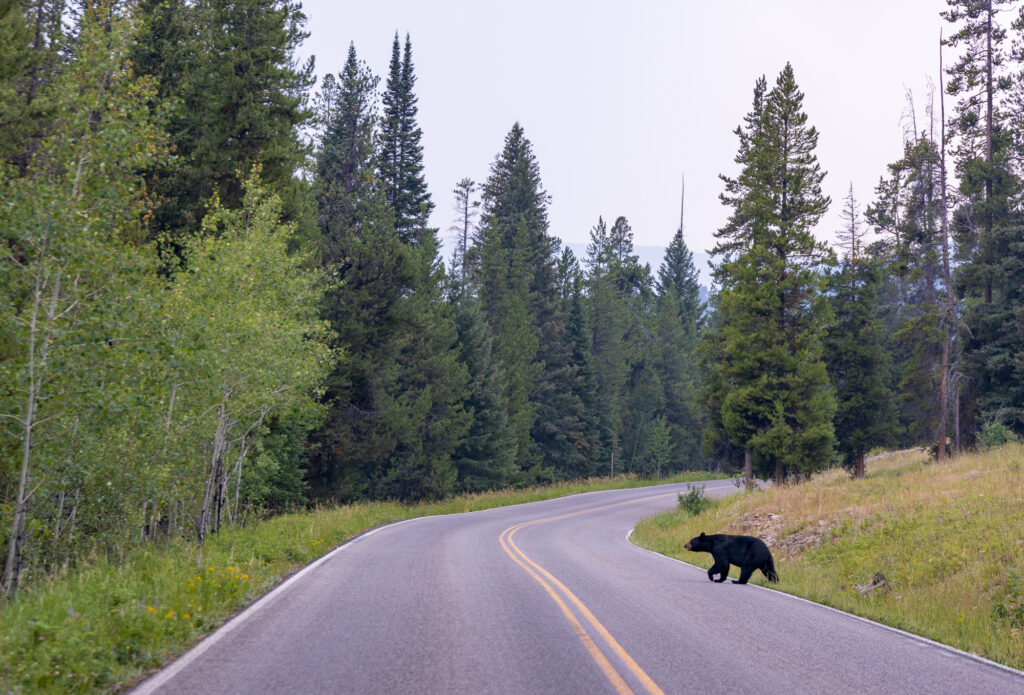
(721, 568)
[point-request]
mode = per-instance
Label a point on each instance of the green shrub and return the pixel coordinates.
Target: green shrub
(995, 434)
(694, 502)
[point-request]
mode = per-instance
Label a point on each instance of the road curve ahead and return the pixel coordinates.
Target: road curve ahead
(551, 597)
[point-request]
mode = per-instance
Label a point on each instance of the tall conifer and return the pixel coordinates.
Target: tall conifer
(987, 225)
(485, 457)
(680, 314)
(401, 156)
(608, 324)
(858, 364)
(396, 398)
(777, 403)
(237, 96)
(517, 287)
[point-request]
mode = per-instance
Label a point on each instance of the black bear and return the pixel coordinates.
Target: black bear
(746, 552)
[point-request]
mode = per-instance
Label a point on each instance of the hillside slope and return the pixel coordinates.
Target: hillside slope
(948, 539)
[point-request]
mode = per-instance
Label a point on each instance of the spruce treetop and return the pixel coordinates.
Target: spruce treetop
(851, 235)
(401, 153)
(678, 278)
(513, 192)
(777, 199)
(799, 201)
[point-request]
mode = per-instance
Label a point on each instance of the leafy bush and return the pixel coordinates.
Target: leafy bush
(694, 502)
(995, 434)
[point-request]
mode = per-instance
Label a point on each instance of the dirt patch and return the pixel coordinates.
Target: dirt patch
(771, 528)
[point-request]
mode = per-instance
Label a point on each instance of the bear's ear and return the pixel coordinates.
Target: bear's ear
(701, 534)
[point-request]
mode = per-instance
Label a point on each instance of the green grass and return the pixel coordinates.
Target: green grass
(103, 625)
(949, 539)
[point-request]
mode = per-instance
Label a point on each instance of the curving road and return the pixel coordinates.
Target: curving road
(551, 597)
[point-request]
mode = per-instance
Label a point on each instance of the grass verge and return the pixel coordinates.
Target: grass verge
(103, 625)
(949, 540)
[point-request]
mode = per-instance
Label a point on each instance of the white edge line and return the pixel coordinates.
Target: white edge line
(166, 673)
(917, 638)
(161, 677)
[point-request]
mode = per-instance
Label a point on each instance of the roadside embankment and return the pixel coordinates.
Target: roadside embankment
(948, 540)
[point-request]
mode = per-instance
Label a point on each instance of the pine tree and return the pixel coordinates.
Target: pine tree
(396, 399)
(517, 287)
(978, 80)
(908, 212)
(714, 363)
(570, 288)
(485, 457)
(608, 322)
(32, 36)
(401, 157)
(514, 205)
(777, 402)
(678, 275)
(15, 63)
(643, 396)
(659, 450)
(986, 224)
(362, 253)
(676, 363)
(620, 297)
(431, 385)
(559, 434)
(345, 158)
(994, 345)
(433, 372)
(238, 97)
(858, 364)
(680, 317)
(850, 237)
(466, 210)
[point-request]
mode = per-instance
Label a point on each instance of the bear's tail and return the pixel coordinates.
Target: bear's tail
(769, 571)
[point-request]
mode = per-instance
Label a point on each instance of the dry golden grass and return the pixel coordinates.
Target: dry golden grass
(948, 539)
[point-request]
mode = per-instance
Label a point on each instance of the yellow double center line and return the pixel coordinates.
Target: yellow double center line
(550, 584)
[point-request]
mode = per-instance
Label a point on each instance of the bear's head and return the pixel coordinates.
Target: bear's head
(698, 544)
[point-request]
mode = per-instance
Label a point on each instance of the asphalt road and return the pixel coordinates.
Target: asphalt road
(551, 597)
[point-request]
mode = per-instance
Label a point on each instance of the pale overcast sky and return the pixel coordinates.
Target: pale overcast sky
(621, 98)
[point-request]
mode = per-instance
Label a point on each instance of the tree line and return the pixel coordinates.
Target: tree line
(221, 295)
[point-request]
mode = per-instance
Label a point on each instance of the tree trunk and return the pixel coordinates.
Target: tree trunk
(956, 419)
(947, 278)
(748, 470)
(988, 145)
(212, 491)
(778, 472)
(36, 365)
(859, 471)
(940, 455)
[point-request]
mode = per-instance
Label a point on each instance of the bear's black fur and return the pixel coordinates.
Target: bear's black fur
(746, 552)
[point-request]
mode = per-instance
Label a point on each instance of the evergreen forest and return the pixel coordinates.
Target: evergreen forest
(221, 296)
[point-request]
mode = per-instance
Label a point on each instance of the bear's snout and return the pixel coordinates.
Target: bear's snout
(687, 546)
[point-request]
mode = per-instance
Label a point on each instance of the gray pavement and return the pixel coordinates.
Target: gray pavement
(443, 605)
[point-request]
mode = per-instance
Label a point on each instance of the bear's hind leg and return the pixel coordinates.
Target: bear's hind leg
(745, 573)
